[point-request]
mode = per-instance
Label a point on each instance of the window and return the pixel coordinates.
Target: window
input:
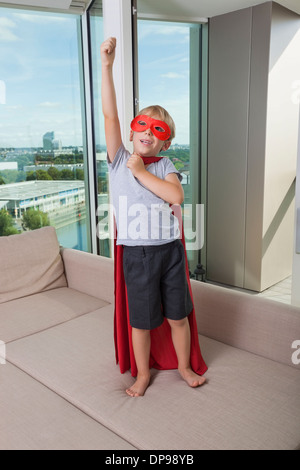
(43, 177)
(96, 39)
(169, 74)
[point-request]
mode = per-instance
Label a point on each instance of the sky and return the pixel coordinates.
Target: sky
(40, 82)
(39, 71)
(164, 71)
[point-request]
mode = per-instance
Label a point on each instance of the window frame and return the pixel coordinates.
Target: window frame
(198, 108)
(82, 54)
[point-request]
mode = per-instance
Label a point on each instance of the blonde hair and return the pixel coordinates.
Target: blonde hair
(157, 110)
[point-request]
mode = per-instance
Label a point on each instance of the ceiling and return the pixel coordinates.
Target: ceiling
(188, 10)
(63, 4)
(196, 9)
(54, 5)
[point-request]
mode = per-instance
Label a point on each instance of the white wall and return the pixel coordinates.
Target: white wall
(228, 102)
(252, 146)
(281, 148)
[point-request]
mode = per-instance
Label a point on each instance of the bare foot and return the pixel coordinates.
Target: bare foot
(192, 379)
(139, 388)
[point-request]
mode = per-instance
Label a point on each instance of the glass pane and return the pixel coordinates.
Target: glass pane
(96, 39)
(169, 75)
(42, 157)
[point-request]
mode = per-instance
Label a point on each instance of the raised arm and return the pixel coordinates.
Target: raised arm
(109, 102)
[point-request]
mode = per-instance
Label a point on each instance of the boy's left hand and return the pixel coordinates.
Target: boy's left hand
(135, 164)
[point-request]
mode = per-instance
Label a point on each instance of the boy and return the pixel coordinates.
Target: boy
(154, 258)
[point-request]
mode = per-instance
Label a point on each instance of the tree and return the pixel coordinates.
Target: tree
(54, 173)
(6, 224)
(79, 174)
(9, 176)
(42, 175)
(67, 175)
(38, 175)
(2, 180)
(34, 219)
(31, 176)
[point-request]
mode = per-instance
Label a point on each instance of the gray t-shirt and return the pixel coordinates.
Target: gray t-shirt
(142, 218)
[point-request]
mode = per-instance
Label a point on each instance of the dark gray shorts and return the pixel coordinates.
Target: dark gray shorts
(156, 284)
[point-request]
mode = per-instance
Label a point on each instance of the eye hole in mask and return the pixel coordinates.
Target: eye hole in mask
(159, 129)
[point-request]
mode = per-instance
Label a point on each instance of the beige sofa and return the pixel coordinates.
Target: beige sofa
(61, 389)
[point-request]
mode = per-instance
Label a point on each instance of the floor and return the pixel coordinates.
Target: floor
(282, 292)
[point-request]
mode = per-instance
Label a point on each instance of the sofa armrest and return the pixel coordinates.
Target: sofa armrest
(261, 326)
(90, 274)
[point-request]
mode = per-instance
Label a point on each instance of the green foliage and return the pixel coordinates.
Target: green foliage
(6, 224)
(31, 176)
(75, 157)
(34, 219)
(79, 174)
(43, 175)
(67, 175)
(179, 165)
(38, 175)
(54, 174)
(12, 176)
(178, 154)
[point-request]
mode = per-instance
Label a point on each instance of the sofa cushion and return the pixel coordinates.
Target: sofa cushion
(249, 402)
(35, 418)
(23, 317)
(30, 263)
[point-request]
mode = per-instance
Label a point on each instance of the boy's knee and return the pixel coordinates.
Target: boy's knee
(140, 332)
(178, 323)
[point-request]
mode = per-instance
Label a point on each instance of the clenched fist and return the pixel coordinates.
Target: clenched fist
(135, 164)
(108, 51)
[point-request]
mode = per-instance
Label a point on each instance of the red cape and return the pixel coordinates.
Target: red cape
(162, 355)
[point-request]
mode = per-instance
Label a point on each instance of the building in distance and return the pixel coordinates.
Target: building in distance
(50, 143)
(63, 201)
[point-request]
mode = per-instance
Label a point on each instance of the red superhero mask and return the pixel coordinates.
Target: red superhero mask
(158, 128)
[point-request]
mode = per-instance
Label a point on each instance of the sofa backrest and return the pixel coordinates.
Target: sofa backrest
(245, 321)
(30, 263)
